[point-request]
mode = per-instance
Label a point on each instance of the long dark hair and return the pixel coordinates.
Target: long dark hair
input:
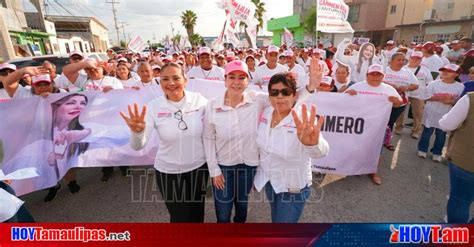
(361, 55)
(73, 125)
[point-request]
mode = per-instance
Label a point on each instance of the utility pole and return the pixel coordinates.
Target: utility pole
(114, 11)
(122, 25)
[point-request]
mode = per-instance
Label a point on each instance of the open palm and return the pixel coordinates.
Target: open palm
(136, 119)
(307, 131)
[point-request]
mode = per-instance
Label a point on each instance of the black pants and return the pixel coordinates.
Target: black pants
(109, 170)
(184, 194)
(394, 116)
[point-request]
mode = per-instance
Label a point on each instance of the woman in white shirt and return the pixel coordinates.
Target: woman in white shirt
(180, 163)
(403, 81)
(230, 132)
(42, 85)
(124, 76)
(358, 63)
(287, 143)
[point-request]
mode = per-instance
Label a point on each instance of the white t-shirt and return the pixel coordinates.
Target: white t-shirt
(26, 92)
(129, 83)
(84, 83)
(383, 89)
(263, 73)
(214, 74)
(302, 78)
(435, 110)
(433, 63)
(152, 85)
(322, 63)
(403, 77)
(424, 78)
(4, 95)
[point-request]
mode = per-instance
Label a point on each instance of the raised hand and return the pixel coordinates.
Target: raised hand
(307, 131)
(135, 120)
(34, 70)
(315, 73)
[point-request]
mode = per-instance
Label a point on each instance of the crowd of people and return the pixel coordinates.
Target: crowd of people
(245, 139)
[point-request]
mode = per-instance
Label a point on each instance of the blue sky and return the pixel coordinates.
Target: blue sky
(146, 18)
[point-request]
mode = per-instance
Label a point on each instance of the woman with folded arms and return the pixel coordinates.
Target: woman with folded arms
(180, 163)
(230, 131)
(287, 143)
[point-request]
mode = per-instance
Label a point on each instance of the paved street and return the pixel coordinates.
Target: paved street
(413, 190)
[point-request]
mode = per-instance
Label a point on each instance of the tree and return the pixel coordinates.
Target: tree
(176, 39)
(123, 43)
(196, 40)
(188, 19)
(259, 14)
(309, 23)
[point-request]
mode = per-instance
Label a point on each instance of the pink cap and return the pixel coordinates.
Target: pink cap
(204, 50)
(230, 54)
(272, 48)
(326, 80)
(390, 42)
(167, 58)
(417, 54)
(375, 68)
(317, 51)
(155, 67)
(7, 66)
(288, 53)
(455, 42)
(450, 67)
(40, 78)
(76, 52)
(237, 65)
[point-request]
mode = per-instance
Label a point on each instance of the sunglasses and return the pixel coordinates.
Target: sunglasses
(181, 123)
(284, 92)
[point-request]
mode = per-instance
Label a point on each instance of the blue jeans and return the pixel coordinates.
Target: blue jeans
(237, 186)
(286, 207)
(438, 145)
(461, 194)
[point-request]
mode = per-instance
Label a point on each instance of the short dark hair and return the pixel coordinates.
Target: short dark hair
(287, 78)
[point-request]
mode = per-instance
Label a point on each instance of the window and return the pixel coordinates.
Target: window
(450, 5)
(393, 9)
(354, 13)
(418, 39)
(443, 36)
(68, 50)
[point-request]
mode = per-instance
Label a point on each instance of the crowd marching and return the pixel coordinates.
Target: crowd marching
(244, 139)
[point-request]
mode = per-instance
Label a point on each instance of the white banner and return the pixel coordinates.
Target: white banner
(241, 10)
(136, 44)
(86, 130)
(287, 37)
(331, 17)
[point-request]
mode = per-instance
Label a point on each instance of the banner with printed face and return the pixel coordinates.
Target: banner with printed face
(85, 129)
(331, 17)
(240, 10)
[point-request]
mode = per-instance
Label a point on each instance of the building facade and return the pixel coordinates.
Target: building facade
(293, 23)
(430, 20)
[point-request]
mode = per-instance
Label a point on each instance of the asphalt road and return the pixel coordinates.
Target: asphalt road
(412, 190)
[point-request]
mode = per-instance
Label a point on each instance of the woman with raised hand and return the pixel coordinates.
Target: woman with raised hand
(359, 63)
(180, 163)
(230, 131)
(287, 143)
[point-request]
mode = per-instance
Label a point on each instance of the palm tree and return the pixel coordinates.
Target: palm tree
(259, 13)
(188, 19)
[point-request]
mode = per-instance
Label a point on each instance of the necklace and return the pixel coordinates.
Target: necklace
(204, 73)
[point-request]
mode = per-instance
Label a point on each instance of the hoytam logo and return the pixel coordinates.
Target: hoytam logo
(436, 234)
(73, 234)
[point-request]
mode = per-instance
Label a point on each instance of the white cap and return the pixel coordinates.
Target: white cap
(450, 67)
(455, 42)
(40, 78)
(76, 52)
(417, 54)
(326, 80)
(204, 50)
(288, 53)
(155, 67)
(7, 66)
(390, 42)
(375, 68)
(122, 59)
(317, 51)
(272, 48)
(230, 54)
